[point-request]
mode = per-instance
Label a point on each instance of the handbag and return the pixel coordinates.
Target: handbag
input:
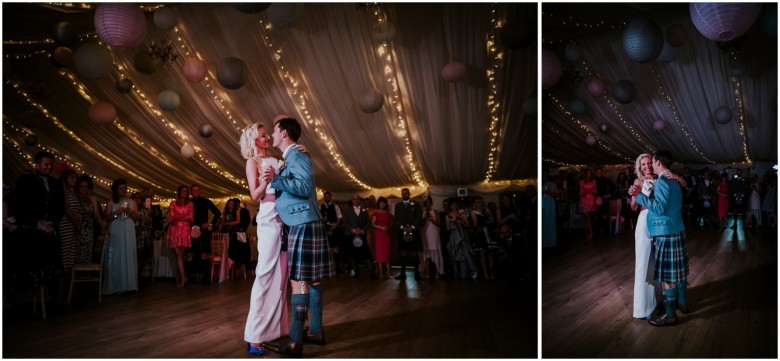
(357, 241)
(241, 237)
(195, 232)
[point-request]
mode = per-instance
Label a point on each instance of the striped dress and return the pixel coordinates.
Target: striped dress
(67, 230)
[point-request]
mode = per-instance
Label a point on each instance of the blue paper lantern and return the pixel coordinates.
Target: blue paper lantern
(723, 21)
(573, 52)
(642, 40)
(624, 91)
(576, 107)
(723, 114)
(669, 52)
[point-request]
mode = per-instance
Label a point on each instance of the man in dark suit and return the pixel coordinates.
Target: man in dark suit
(201, 246)
(356, 224)
(37, 205)
(706, 191)
(408, 214)
(604, 189)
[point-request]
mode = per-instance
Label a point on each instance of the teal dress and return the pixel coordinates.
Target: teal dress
(120, 265)
(549, 221)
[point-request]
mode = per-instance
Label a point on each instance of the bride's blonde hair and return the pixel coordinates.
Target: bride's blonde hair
(247, 140)
(638, 165)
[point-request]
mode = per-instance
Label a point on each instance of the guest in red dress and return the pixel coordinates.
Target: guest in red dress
(182, 214)
(588, 200)
(382, 220)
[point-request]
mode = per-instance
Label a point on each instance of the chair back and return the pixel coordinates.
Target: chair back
(614, 208)
(218, 244)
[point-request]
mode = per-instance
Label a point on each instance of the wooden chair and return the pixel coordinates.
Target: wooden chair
(217, 251)
(90, 272)
(615, 215)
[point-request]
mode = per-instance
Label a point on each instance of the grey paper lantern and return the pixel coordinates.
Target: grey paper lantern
(93, 60)
(165, 18)
(723, 114)
(232, 73)
(371, 101)
(168, 100)
(624, 91)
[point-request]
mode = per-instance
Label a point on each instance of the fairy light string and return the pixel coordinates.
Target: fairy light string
(739, 98)
(496, 58)
(299, 95)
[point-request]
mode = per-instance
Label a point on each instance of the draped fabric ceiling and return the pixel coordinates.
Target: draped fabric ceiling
(684, 92)
(429, 133)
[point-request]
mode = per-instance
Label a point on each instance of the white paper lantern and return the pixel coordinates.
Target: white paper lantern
(642, 40)
(371, 101)
(101, 113)
(383, 32)
(93, 60)
(187, 150)
(603, 127)
(590, 139)
(121, 25)
(454, 71)
(723, 21)
(232, 73)
(168, 100)
(723, 114)
(165, 18)
(195, 70)
(284, 15)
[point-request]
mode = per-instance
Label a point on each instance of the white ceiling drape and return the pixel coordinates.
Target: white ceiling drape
(314, 70)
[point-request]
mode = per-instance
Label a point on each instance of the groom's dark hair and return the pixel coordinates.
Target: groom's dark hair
(291, 126)
(665, 157)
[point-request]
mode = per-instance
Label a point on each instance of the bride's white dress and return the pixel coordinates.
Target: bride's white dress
(267, 319)
(644, 286)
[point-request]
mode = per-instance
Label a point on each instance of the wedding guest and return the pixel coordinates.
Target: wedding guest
(588, 201)
(381, 221)
(181, 215)
(119, 268)
(432, 252)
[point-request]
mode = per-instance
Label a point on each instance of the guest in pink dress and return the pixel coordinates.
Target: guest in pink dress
(382, 220)
(181, 215)
(723, 202)
(588, 200)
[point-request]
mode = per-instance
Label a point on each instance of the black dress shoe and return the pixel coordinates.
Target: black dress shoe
(664, 321)
(683, 308)
(285, 346)
(317, 338)
(401, 277)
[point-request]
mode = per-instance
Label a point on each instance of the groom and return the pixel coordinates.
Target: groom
(664, 221)
(309, 257)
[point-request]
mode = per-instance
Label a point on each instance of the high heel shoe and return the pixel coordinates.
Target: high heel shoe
(257, 351)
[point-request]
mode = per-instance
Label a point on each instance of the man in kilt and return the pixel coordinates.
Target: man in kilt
(309, 256)
(665, 224)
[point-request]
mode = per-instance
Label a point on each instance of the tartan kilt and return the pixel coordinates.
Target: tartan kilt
(309, 256)
(671, 258)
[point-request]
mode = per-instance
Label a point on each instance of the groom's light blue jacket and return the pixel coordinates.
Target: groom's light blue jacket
(664, 215)
(296, 195)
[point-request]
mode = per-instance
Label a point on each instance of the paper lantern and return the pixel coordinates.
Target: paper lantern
(576, 107)
(551, 68)
(195, 70)
(518, 33)
(232, 73)
(63, 55)
(187, 150)
(595, 87)
(120, 25)
(659, 124)
(454, 71)
(206, 130)
(124, 85)
(371, 101)
(590, 139)
(144, 63)
(31, 140)
(165, 18)
(676, 35)
(283, 15)
(65, 34)
(723, 21)
(573, 52)
(101, 112)
(737, 67)
(168, 100)
(603, 127)
(624, 91)
(723, 114)
(383, 32)
(93, 60)
(668, 53)
(642, 40)
(251, 8)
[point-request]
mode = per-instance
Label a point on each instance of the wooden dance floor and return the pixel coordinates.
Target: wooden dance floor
(435, 318)
(587, 298)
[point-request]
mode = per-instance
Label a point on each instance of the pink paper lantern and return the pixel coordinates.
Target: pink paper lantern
(63, 55)
(676, 35)
(371, 101)
(102, 113)
(165, 18)
(659, 124)
(723, 21)
(551, 68)
(120, 25)
(453, 71)
(595, 87)
(590, 139)
(195, 69)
